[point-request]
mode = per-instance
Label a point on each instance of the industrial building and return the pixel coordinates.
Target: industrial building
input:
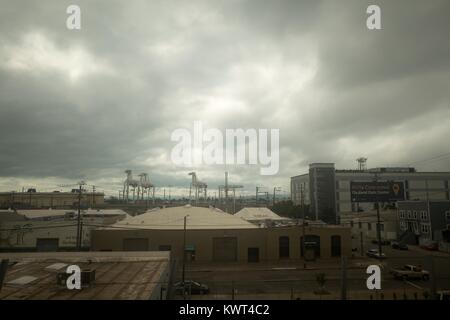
(364, 226)
(51, 230)
(105, 276)
(56, 199)
(330, 192)
(426, 220)
(211, 235)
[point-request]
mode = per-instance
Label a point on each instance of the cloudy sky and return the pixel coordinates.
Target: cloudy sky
(90, 103)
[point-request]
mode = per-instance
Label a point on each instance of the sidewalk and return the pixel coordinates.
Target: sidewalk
(325, 264)
(400, 294)
(428, 252)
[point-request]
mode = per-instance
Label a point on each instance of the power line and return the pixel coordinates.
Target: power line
(445, 155)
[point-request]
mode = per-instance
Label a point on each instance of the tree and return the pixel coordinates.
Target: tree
(321, 280)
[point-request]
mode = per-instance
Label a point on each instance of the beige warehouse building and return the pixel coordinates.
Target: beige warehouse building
(51, 230)
(213, 235)
(49, 199)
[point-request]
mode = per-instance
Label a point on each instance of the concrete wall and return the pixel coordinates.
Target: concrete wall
(266, 239)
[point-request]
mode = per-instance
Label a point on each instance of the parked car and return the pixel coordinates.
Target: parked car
(410, 272)
(191, 287)
(383, 242)
(373, 253)
(443, 295)
(430, 245)
(399, 246)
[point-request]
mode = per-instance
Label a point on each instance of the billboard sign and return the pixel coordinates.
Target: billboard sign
(381, 191)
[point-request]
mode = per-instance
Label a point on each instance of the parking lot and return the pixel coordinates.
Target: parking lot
(282, 280)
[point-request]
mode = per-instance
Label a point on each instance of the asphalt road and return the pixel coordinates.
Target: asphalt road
(281, 281)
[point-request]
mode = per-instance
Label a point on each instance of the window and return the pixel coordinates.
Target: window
(425, 228)
(253, 254)
(283, 246)
(360, 224)
(369, 226)
(423, 215)
(408, 214)
(416, 227)
(351, 223)
(335, 246)
(447, 215)
(402, 214)
(382, 227)
(403, 225)
(414, 214)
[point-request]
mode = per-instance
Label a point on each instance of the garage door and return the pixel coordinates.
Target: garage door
(47, 244)
(135, 244)
(225, 249)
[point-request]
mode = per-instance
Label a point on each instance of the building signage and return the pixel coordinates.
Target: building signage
(381, 191)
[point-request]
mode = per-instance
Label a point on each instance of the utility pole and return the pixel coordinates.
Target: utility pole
(378, 218)
(274, 190)
(302, 202)
(362, 243)
(153, 195)
(3, 268)
(226, 192)
(93, 196)
(184, 257)
(343, 278)
(79, 217)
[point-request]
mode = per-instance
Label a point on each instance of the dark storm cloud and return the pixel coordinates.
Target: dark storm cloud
(94, 102)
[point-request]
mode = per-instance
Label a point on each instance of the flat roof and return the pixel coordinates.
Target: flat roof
(118, 275)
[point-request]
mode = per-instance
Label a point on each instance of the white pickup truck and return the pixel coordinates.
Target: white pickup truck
(409, 272)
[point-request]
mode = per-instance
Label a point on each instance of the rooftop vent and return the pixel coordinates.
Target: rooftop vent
(87, 278)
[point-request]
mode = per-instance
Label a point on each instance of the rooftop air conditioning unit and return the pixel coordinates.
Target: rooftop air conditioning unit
(87, 278)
